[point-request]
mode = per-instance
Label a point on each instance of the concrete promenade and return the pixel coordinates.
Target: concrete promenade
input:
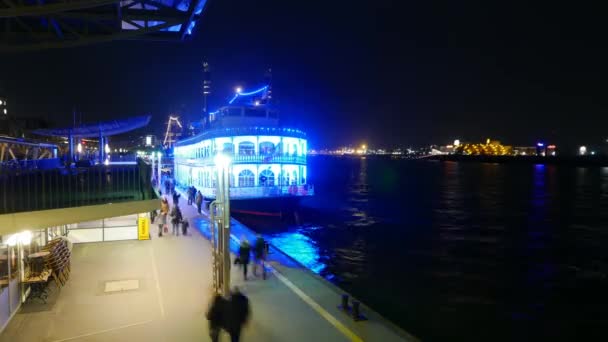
(166, 287)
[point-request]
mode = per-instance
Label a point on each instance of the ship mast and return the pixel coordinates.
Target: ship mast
(268, 81)
(206, 88)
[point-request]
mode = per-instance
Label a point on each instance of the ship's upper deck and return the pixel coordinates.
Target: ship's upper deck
(246, 114)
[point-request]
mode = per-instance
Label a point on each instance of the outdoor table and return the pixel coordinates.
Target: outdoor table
(38, 284)
(37, 262)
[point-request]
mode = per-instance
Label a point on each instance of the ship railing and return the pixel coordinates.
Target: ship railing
(252, 158)
(264, 191)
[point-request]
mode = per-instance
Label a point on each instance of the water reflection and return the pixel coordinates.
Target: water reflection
(300, 247)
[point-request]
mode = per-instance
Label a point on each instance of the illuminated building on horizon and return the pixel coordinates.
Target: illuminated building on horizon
(490, 148)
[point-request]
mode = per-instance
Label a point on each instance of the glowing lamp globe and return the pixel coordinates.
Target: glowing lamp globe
(222, 160)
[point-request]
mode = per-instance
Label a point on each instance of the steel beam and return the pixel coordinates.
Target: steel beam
(46, 9)
(88, 40)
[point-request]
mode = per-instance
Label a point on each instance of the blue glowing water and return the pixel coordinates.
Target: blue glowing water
(461, 251)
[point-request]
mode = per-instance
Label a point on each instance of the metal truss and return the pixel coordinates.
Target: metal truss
(41, 24)
(14, 152)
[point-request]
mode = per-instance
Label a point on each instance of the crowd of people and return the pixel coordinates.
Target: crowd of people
(175, 214)
(228, 314)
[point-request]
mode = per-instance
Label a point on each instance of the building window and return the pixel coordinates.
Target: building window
(246, 178)
(267, 178)
(246, 148)
(266, 148)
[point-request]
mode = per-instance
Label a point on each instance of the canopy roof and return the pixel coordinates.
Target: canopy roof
(106, 128)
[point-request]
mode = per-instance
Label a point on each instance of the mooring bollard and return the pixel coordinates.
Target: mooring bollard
(344, 302)
(355, 311)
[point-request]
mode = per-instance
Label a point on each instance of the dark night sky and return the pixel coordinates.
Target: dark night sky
(352, 71)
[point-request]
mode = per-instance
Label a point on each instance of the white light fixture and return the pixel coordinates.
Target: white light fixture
(582, 150)
(108, 148)
(0, 102)
(25, 238)
(79, 148)
(222, 160)
(106, 162)
(239, 90)
(5, 110)
(12, 240)
(457, 142)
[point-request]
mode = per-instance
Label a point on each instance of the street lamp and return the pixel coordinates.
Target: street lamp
(221, 206)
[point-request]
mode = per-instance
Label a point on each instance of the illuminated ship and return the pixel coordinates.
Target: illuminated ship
(268, 173)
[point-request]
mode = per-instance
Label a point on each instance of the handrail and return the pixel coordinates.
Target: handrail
(36, 189)
(243, 158)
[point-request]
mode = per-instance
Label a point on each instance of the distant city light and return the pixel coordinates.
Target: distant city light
(148, 140)
(540, 144)
(239, 90)
(257, 103)
(4, 110)
(364, 147)
(488, 141)
(592, 153)
(457, 142)
(0, 102)
(582, 150)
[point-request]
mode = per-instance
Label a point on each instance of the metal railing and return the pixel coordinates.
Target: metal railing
(263, 191)
(36, 189)
(252, 158)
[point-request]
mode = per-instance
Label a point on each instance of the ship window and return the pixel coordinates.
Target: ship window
(266, 148)
(246, 178)
(246, 148)
(255, 112)
(267, 178)
(228, 148)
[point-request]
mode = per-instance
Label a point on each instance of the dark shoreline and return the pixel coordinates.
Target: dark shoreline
(569, 161)
(575, 161)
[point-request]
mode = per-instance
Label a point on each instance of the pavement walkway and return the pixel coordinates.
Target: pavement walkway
(163, 290)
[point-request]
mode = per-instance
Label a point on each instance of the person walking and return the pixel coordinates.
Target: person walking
(199, 201)
(216, 315)
(167, 186)
(164, 211)
(185, 225)
(244, 254)
(176, 215)
(259, 255)
(175, 197)
(190, 195)
(237, 314)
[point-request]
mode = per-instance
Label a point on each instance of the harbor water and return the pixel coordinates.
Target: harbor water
(459, 250)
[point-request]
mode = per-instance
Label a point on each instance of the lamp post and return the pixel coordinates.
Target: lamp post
(160, 158)
(219, 211)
